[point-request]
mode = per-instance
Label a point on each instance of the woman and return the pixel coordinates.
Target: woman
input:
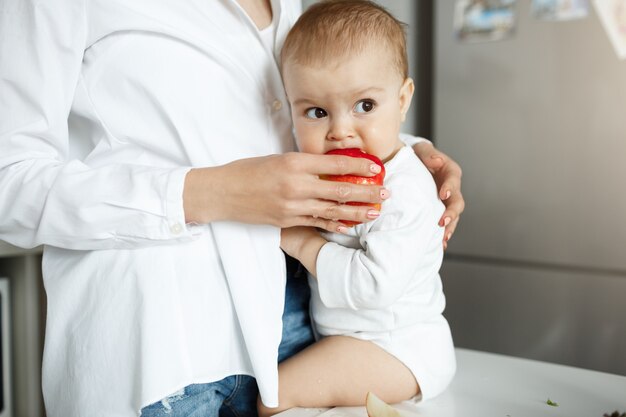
(134, 143)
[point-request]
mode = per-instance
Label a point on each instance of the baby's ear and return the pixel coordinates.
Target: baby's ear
(406, 95)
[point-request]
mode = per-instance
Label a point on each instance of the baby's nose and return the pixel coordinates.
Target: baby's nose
(340, 129)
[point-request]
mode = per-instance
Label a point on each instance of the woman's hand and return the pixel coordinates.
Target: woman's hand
(282, 190)
(447, 174)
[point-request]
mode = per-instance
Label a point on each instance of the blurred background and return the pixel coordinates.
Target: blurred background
(537, 120)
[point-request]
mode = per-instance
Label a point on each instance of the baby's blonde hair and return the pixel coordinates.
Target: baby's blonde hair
(333, 28)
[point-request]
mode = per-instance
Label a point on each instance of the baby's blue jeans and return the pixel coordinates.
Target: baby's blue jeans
(235, 396)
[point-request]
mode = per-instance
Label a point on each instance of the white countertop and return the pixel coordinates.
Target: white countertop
(488, 384)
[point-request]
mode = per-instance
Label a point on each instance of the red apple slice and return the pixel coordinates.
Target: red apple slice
(355, 179)
(378, 408)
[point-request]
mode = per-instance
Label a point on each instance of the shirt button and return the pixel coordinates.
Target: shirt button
(176, 228)
(277, 105)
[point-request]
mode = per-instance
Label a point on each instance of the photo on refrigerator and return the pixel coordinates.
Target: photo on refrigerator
(484, 20)
(559, 10)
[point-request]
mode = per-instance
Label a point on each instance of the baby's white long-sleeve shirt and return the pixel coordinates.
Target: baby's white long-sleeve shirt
(381, 281)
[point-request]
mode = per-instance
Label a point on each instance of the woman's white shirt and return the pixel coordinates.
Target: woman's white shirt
(105, 105)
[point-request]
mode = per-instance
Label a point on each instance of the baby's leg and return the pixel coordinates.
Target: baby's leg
(339, 371)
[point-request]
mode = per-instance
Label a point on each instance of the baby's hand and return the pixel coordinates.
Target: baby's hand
(302, 243)
(293, 238)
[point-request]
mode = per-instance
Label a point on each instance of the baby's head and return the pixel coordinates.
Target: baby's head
(332, 30)
(345, 70)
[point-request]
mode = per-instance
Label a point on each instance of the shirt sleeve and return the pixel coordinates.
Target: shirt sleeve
(45, 196)
(412, 140)
(403, 245)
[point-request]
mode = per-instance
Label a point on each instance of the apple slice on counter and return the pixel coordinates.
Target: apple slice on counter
(355, 179)
(378, 408)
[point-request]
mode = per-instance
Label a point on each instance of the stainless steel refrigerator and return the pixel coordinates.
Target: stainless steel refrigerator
(537, 267)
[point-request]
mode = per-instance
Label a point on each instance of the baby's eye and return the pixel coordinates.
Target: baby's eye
(316, 113)
(364, 106)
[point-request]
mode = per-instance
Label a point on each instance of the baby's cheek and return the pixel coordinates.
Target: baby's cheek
(311, 145)
(309, 141)
(382, 139)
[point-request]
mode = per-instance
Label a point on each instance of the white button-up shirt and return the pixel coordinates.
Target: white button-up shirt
(104, 107)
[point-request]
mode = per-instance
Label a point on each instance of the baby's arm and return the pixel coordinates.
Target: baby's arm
(302, 243)
(339, 371)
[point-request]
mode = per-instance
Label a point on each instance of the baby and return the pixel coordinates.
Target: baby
(377, 297)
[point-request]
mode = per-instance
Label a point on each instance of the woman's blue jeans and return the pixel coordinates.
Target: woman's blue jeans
(235, 396)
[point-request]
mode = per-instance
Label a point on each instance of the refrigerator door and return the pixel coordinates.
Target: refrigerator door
(573, 318)
(538, 123)
(537, 267)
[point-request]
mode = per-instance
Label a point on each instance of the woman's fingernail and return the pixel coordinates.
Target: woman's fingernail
(384, 194)
(447, 195)
(342, 229)
(448, 236)
(446, 221)
(375, 168)
(372, 214)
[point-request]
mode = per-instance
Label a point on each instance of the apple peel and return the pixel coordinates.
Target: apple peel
(376, 407)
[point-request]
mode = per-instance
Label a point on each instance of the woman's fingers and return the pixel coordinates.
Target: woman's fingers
(449, 231)
(325, 224)
(343, 192)
(337, 165)
(452, 198)
(429, 155)
(327, 215)
(447, 174)
(301, 179)
(454, 207)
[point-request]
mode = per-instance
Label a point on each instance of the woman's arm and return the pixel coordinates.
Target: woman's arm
(46, 197)
(281, 190)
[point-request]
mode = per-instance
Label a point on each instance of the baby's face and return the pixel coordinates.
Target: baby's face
(356, 102)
